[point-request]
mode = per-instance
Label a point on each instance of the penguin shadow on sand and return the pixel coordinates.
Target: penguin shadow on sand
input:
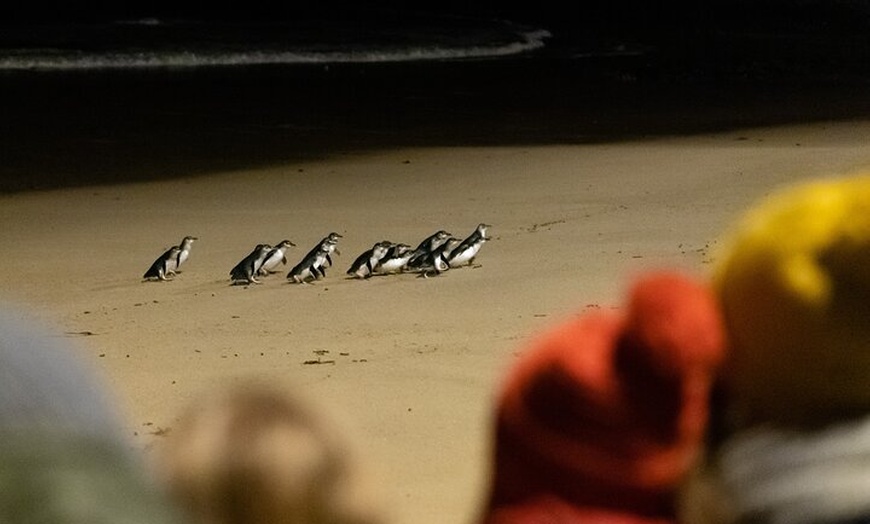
(168, 265)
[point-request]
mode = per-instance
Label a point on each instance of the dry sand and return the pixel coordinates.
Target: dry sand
(411, 364)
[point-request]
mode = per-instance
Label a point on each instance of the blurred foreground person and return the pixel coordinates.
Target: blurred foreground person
(793, 439)
(62, 455)
(257, 455)
(602, 419)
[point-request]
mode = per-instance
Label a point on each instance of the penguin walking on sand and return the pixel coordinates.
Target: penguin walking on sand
(164, 267)
(184, 251)
(395, 260)
(329, 244)
(167, 264)
(436, 262)
(275, 257)
(311, 267)
(332, 244)
(364, 265)
(246, 270)
(426, 248)
(467, 250)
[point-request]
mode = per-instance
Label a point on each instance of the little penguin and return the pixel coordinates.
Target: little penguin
(436, 262)
(246, 270)
(165, 265)
(364, 265)
(331, 242)
(184, 253)
(275, 257)
(311, 267)
(464, 253)
(395, 260)
(426, 247)
(328, 243)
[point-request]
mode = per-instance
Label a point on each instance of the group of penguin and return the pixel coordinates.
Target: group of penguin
(434, 255)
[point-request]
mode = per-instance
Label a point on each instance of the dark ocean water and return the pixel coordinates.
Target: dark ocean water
(732, 38)
(151, 43)
(125, 98)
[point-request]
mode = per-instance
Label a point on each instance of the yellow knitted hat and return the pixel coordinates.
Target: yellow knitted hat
(794, 281)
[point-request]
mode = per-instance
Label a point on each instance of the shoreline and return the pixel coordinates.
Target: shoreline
(81, 128)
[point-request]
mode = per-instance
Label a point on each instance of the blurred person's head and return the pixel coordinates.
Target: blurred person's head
(794, 283)
(63, 457)
(793, 416)
(603, 417)
(256, 454)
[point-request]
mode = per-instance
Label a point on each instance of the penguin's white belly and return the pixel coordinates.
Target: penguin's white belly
(303, 275)
(392, 265)
(465, 256)
(364, 271)
(309, 271)
(325, 262)
(320, 262)
(171, 265)
(272, 263)
(258, 264)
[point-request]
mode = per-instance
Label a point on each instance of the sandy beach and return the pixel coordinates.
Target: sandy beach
(410, 364)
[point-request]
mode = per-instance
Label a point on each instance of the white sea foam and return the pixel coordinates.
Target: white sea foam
(197, 55)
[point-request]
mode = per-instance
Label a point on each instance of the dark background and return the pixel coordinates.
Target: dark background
(692, 67)
(686, 33)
